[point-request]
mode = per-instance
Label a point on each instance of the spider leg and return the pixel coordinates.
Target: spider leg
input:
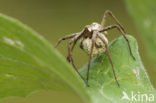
(81, 45)
(109, 56)
(71, 59)
(74, 43)
(64, 38)
(76, 39)
(90, 55)
(112, 15)
(124, 35)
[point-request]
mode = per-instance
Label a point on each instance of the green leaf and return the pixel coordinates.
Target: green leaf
(29, 63)
(143, 13)
(130, 73)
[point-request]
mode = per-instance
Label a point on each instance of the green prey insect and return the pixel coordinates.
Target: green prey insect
(94, 42)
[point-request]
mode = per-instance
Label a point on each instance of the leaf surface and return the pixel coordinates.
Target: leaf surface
(29, 63)
(143, 13)
(131, 75)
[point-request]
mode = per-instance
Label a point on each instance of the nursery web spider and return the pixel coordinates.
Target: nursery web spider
(94, 42)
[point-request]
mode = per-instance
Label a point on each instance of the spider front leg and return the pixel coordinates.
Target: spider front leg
(74, 41)
(64, 38)
(124, 35)
(108, 12)
(90, 55)
(75, 37)
(110, 59)
(71, 59)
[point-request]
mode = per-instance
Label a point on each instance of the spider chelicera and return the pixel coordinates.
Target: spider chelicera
(94, 42)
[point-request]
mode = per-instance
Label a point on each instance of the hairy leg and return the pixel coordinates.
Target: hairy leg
(90, 55)
(82, 33)
(124, 35)
(108, 12)
(72, 61)
(76, 39)
(109, 56)
(64, 38)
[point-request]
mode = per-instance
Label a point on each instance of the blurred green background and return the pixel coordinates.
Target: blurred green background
(56, 18)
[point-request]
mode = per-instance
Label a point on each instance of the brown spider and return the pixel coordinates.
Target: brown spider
(94, 42)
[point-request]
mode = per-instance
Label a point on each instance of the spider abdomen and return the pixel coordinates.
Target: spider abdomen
(98, 49)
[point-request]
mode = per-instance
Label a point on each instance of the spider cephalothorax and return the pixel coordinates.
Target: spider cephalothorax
(94, 42)
(86, 42)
